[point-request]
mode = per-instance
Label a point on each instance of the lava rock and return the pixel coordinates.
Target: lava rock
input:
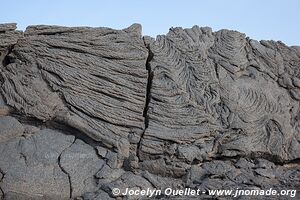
(10, 128)
(86, 110)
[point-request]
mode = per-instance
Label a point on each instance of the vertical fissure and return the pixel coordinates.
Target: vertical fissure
(64, 171)
(148, 95)
(149, 85)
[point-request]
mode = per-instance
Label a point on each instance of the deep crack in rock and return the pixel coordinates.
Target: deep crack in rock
(148, 94)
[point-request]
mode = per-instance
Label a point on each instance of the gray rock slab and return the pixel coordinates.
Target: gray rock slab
(220, 94)
(31, 168)
(81, 162)
(10, 128)
(92, 79)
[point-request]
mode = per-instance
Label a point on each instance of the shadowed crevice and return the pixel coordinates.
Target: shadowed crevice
(149, 85)
(6, 57)
(148, 95)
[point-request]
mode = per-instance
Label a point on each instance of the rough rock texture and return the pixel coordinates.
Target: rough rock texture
(91, 79)
(86, 110)
(214, 95)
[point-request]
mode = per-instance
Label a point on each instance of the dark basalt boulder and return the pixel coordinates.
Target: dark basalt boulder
(86, 110)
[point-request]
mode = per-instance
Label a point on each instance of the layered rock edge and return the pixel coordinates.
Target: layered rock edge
(85, 110)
